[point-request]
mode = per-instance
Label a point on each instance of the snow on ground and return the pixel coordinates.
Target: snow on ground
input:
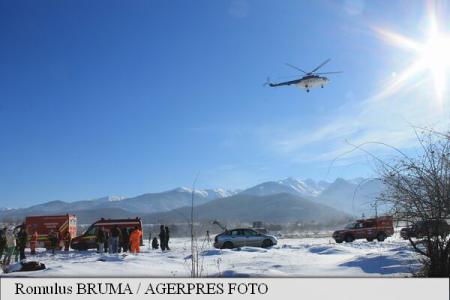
(305, 257)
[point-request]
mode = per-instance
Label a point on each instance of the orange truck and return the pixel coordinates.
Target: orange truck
(376, 228)
(43, 225)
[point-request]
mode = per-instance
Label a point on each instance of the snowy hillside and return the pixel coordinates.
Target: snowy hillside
(289, 185)
(88, 210)
(353, 196)
(276, 208)
(291, 257)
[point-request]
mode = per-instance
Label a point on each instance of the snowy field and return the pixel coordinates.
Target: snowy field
(308, 257)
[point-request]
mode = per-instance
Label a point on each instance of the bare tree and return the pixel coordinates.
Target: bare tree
(418, 189)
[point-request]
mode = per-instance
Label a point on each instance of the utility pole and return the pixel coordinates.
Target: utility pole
(375, 206)
(193, 254)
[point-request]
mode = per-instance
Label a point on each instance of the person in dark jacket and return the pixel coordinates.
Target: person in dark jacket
(114, 239)
(155, 244)
(2, 241)
(22, 239)
(106, 243)
(167, 238)
(100, 239)
(53, 237)
(162, 237)
(125, 239)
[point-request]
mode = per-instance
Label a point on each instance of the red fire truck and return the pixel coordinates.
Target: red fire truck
(377, 228)
(45, 224)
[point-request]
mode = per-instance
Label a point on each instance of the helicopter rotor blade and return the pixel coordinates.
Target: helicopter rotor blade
(335, 72)
(294, 67)
(320, 66)
(289, 76)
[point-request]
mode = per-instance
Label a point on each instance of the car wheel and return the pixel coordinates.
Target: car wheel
(349, 239)
(381, 236)
(369, 239)
(228, 245)
(267, 244)
(339, 241)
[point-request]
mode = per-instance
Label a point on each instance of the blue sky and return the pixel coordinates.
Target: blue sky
(121, 98)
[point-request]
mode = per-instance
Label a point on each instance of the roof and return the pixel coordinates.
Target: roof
(52, 216)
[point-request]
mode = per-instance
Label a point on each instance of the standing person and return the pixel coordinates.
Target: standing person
(149, 239)
(106, 242)
(22, 239)
(53, 237)
(162, 237)
(125, 239)
(167, 237)
(100, 239)
(33, 242)
(10, 246)
(135, 240)
(2, 242)
(67, 240)
(114, 239)
(155, 244)
(208, 237)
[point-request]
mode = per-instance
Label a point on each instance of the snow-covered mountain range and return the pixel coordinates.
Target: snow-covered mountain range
(349, 196)
(308, 187)
(353, 196)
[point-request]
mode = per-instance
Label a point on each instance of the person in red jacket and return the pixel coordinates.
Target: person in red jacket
(33, 242)
(135, 240)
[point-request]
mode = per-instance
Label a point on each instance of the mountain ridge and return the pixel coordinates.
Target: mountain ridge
(351, 196)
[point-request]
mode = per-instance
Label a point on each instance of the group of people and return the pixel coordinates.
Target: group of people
(14, 239)
(117, 240)
(56, 241)
(164, 236)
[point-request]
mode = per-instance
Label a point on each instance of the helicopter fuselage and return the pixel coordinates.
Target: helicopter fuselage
(312, 81)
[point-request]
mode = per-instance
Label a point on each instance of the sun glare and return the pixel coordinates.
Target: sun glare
(435, 55)
(433, 59)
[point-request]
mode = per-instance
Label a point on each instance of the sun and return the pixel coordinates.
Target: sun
(435, 56)
(432, 59)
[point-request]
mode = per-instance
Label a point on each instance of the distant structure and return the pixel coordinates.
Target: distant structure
(257, 224)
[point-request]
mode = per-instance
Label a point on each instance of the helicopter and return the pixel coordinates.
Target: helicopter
(309, 80)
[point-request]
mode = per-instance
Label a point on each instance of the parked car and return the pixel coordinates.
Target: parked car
(423, 228)
(240, 237)
(88, 239)
(376, 228)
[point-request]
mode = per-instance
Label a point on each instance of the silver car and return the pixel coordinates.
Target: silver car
(240, 237)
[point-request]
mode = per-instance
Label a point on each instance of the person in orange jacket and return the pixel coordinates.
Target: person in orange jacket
(33, 242)
(135, 240)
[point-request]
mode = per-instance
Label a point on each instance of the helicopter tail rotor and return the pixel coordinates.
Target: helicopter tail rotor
(268, 82)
